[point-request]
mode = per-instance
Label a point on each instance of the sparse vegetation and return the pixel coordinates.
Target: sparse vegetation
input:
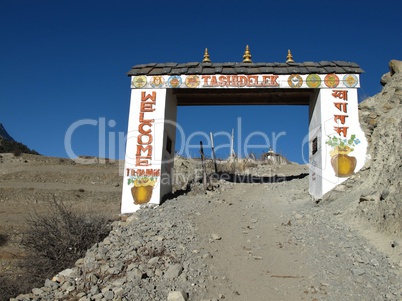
(57, 239)
(17, 152)
(9, 288)
(3, 239)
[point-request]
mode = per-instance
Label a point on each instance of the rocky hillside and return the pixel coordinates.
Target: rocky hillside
(17, 148)
(381, 201)
(4, 134)
(9, 145)
(375, 193)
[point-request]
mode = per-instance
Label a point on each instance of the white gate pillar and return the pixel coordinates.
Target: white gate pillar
(150, 148)
(337, 142)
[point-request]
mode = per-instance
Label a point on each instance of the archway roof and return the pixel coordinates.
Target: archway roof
(197, 68)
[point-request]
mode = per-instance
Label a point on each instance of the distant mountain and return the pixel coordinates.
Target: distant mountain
(4, 134)
(9, 145)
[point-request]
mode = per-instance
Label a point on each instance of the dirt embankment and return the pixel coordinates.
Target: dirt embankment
(29, 183)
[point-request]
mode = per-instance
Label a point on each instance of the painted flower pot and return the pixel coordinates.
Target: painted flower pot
(344, 165)
(142, 194)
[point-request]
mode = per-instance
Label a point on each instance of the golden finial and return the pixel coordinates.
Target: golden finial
(206, 56)
(247, 56)
(289, 57)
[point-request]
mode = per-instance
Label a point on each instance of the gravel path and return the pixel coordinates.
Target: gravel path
(240, 242)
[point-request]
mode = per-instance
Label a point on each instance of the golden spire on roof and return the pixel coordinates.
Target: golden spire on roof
(247, 56)
(289, 57)
(206, 56)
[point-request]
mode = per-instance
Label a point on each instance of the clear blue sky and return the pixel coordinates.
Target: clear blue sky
(65, 61)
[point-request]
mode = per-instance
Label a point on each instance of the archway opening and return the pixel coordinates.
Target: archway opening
(255, 128)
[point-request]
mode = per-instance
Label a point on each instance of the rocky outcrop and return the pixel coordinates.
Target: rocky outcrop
(380, 200)
(395, 66)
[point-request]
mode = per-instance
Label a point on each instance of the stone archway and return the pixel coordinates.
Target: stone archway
(337, 145)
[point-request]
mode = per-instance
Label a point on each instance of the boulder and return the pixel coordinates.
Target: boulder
(395, 66)
(177, 296)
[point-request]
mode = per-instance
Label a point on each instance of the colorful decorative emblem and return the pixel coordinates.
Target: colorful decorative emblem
(174, 81)
(343, 164)
(313, 80)
(331, 81)
(192, 81)
(350, 80)
(142, 189)
(139, 81)
(295, 81)
(157, 81)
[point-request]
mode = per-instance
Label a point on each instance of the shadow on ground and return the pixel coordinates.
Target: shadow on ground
(234, 178)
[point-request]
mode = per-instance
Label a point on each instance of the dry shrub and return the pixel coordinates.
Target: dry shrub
(9, 288)
(3, 239)
(54, 241)
(17, 152)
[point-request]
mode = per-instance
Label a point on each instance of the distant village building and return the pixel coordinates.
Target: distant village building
(275, 159)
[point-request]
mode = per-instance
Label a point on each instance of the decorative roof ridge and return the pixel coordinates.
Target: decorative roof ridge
(172, 64)
(171, 68)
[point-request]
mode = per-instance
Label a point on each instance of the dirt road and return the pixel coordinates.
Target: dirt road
(273, 242)
(254, 255)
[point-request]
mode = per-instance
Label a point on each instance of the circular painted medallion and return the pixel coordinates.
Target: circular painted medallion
(157, 81)
(174, 81)
(192, 81)
(331, 80)
(295, 81)
(350, 80)
(139, 81)
(313, 80)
